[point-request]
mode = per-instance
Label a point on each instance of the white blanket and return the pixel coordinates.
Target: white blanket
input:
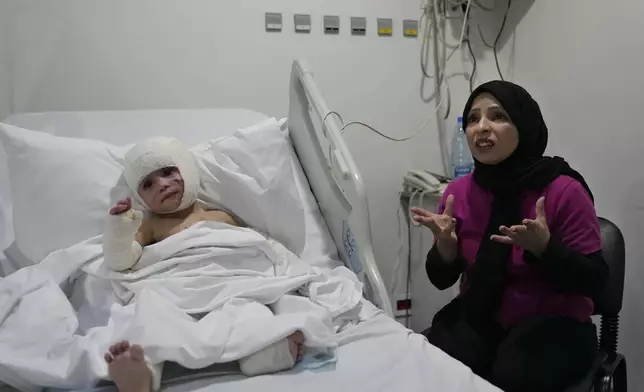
(197, 298)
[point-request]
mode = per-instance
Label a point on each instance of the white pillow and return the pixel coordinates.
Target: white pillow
(251, 173)
(261, 160)
(60, 188)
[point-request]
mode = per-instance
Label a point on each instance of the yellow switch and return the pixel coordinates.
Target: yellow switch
(410, 28)
(385, 27)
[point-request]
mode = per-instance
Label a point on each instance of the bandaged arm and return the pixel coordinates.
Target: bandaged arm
(121, 249)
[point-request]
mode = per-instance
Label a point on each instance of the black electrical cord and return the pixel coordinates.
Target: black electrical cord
(474, 64)
(498, 37)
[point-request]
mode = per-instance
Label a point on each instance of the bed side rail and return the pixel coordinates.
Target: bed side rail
(334, 180)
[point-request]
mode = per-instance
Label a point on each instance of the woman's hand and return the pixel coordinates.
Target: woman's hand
(532, 235)
(121, 206)
(443, 226)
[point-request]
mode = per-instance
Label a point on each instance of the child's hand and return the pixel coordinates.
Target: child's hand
(121, 206)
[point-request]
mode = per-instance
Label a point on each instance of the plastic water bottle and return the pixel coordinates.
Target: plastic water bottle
(461, 157)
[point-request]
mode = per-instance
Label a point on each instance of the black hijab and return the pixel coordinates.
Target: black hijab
(526, 169)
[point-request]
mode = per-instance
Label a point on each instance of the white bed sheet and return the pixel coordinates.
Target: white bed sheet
(379, 355)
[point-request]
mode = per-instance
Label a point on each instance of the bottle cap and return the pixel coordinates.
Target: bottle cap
(460, 120)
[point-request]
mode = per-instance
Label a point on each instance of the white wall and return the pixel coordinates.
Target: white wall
(5, 107)
(581, 59)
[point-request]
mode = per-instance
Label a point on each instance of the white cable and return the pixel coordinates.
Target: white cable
(393, 139)
(426, 25)
(477, 3)
(394, 277)
(330, 113)
(412, 223)
(440, 74)
(394, 284)
(486, 8)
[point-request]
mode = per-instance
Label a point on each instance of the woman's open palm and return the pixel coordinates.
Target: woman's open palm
(533, 235)
(442, 225)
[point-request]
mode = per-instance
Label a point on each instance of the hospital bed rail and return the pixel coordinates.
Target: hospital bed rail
(335, 181)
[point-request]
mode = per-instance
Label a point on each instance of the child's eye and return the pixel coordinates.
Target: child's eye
(147, 184)
(168, 171)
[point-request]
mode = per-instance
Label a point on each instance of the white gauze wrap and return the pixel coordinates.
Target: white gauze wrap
(156, 153)
(272, 359)
(120, 249)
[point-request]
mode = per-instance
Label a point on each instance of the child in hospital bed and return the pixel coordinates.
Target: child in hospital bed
(163, 177)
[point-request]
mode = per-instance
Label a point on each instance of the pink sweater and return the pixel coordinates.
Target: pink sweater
(571, 219)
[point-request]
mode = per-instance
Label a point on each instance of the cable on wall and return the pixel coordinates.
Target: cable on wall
(474, 63)
(498, 38)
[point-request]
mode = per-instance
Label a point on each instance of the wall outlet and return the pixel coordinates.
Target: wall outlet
(402, 305)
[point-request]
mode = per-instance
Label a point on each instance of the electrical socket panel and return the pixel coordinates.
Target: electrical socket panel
(302, 23)
(402, 305)
(273, 22)
(358, 26)
(385, 27)
(410, 28)
(331, 24)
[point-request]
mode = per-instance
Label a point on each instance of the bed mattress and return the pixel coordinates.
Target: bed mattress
(378, 355)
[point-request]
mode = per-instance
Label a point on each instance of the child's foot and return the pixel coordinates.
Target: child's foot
(127, 367)
(295, 343)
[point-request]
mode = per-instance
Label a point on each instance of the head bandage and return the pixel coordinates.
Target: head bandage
(156, 153)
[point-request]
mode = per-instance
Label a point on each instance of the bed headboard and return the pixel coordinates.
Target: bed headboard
(334, 180)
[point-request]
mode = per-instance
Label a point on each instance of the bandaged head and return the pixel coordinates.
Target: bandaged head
(157, 153)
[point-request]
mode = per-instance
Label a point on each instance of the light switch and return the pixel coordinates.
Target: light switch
(331, 24)
(302, 23)
(273, 22)
(358, 26)
(385, 27)
(410, 28)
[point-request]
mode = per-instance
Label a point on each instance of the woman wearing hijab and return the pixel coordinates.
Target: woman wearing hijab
(522, 234)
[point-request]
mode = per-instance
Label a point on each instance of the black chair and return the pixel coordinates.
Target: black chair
(609, 370)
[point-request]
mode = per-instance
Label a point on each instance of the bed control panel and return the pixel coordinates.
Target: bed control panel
(351, 247)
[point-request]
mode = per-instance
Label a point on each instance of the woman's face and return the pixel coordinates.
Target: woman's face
(491, 135)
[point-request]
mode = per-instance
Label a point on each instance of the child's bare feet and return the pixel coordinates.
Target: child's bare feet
(127, 367)
(295, 343)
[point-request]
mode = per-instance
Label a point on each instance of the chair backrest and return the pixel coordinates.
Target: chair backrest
(609, 302)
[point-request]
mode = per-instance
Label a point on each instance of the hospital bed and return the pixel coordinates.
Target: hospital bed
(376, 355)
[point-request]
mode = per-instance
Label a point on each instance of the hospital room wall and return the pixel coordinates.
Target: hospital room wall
(78, 55)
(5, 92)
(583, 68)
(120, 54)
